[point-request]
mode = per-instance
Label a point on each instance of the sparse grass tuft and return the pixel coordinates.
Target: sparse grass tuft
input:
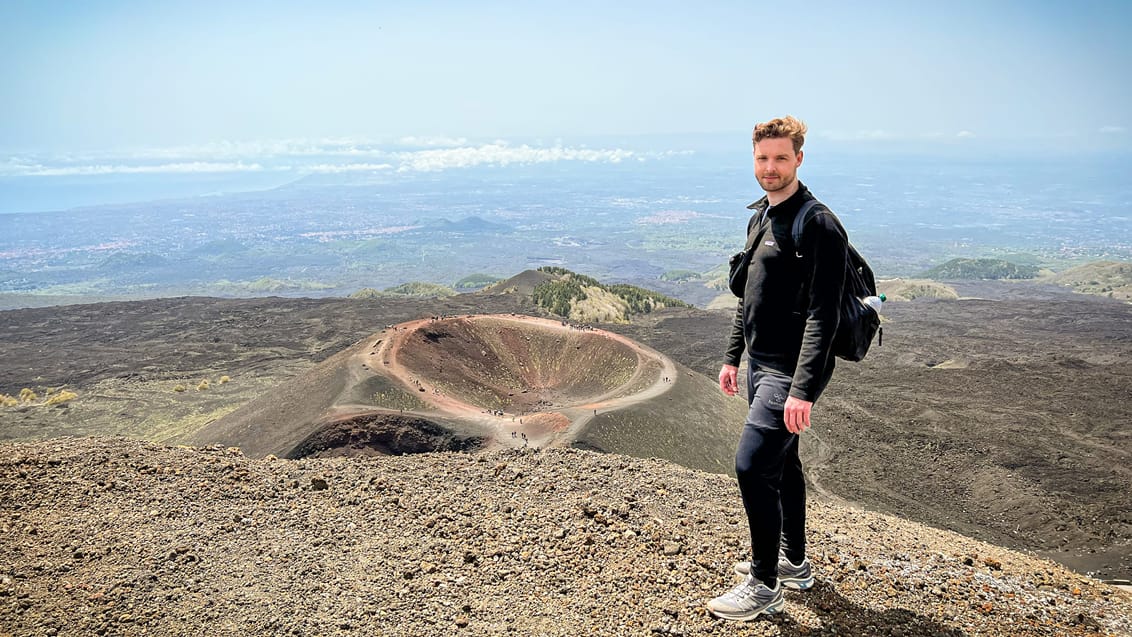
(61, 397)
(28, 397)
(179, 388)
(203, 386)
(224, 379)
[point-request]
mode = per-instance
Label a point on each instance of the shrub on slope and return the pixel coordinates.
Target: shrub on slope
(582, 298)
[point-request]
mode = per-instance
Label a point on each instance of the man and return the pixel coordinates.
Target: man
(786, 322)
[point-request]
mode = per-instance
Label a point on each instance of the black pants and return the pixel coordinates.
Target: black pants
(770, 477)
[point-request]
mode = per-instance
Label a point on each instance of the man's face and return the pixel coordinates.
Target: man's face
(776, 163)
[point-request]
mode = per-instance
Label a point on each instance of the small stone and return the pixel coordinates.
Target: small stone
(462, 621)
(319, 484)
(673, 548)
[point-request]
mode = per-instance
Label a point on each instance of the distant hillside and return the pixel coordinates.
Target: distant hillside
(220, 247)
(471, 225)
(681, 275)
(266, 284)
(414, 288)
(476, 281)
(582, 298)
(908, 289)
(980, 269)
(125, 260)
(725, 301)
(522, 284)
(716, 278)
(1106, 278)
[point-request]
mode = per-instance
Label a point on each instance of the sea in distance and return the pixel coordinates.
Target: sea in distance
(331, 217)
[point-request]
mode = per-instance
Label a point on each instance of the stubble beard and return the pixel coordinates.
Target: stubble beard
(779, 184)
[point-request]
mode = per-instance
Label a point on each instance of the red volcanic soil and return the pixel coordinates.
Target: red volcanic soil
(463, 383)
(523, 379)
(517, 365)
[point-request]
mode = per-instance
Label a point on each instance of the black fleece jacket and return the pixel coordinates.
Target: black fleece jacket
(788, 315)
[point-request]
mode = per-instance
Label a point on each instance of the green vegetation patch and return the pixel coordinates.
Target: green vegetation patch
(420, 288)
(980, 269)
(642, 301)
(414, 289)
(567, 295)
(681, 275)
(266, 284)
(476, 281)
(368, 293)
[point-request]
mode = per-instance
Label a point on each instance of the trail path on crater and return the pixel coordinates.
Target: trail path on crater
(557, 426)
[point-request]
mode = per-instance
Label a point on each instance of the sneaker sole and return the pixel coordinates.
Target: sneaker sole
(797, 584)
(770, 609)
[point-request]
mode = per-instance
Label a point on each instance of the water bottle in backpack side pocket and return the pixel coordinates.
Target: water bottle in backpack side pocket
(875, 301)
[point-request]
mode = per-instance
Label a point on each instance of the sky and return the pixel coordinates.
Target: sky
(107, 75)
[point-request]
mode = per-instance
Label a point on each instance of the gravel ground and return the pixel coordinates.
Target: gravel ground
(119, 537)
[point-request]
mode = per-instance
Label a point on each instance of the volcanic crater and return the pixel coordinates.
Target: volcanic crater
(520, 364)
(452, 383)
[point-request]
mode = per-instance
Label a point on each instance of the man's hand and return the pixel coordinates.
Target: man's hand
(727, 380)
(796, 414)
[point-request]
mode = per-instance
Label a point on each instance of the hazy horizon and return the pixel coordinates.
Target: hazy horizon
(47, 182)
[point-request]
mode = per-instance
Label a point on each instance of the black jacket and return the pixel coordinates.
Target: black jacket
(788, 315)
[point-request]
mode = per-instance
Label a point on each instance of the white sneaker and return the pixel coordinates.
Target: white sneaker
(798, 577)
(747, 601)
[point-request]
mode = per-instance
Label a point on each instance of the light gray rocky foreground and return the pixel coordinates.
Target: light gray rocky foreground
(120, 537)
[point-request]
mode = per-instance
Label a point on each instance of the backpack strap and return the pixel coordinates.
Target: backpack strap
(757, 230)
(805, 213)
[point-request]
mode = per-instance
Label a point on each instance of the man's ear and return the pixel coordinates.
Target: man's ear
(799, 159)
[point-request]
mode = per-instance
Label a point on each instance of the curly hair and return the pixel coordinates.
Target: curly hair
(788, 126)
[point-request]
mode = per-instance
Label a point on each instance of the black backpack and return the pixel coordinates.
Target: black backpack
(859, 322)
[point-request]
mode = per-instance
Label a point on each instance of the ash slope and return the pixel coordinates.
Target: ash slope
(1002, 417)
(113, 536)
(486, 381)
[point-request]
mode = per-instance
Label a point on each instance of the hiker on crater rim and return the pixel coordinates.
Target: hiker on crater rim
(785, 321)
